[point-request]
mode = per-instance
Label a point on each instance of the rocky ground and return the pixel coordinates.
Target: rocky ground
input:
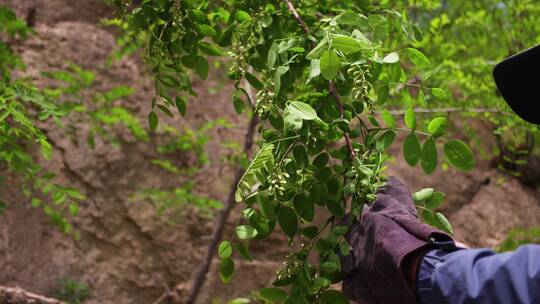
(129, 254)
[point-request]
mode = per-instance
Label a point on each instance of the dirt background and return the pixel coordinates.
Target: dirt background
(129, 254)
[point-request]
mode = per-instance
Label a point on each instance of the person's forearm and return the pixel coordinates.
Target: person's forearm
(480, 276)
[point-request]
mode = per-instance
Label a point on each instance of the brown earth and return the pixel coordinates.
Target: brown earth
(129, 254)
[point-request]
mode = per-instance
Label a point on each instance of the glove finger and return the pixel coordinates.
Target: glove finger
(400, 192)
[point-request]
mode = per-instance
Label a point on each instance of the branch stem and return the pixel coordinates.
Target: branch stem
(296, 16)
(447, 110)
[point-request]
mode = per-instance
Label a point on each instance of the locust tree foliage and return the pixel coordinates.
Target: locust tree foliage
(329, 78)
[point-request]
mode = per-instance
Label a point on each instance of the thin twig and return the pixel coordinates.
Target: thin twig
(299, 19)
(448, 110)
(19, 295)
(217, 233)
(335, 94)
(161, 298)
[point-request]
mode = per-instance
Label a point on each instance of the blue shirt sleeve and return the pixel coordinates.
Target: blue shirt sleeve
(480, 276)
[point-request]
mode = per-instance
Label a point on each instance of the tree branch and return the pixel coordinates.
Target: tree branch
(200, 276)
(296, 16)
(335, 94)
(331, 84)
(448, 110)
(18, 295)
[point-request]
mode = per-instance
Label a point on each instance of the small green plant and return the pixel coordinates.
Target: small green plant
(519, 236)
(72, 291)
(189, 140)
(22, 107)
(74, 92)
(176, 199)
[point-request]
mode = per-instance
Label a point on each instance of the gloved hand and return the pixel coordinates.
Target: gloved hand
(384, 241)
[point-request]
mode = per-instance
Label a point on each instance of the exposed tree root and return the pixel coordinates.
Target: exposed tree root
(16, 295)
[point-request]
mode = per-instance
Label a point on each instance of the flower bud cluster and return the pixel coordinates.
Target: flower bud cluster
(290, 269)
(361, 85)
(265, 99)
(277, 182)
(238, 54)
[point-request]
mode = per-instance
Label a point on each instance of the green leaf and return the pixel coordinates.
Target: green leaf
(329, 267)
(291, 121)
(73, 209)
(349, 18)
(304, 206)
(435, 200)
(267, 208)
(243, 251)
(241, 16)
(310, 232)
(428, 217)
(302, 110)
(238, 105)
(422, 98)
(225, 249)
(412, 150)
(201, 67)
(383, 94)
(429, 156)
(333, 297)
(443, 223)
(410, 119)
(210, 49)
(347, 44)
(314, 68)
(388, 119)
(180, 105)
(274, 295)
(330, 64)
(439, 93)
(153, 120)
(36, 202)
(386, 140)
(318, 50)
(350, 188)
(245, 232)
(423, 195)
(206, 30)
(394, 72)
(238, 195)
(226, 269)
(459, 155)
(3, 207)
(272, 57)
(225, 38)
(391, 58)
(418, 58)
(165, 110)
(321, 160)
(280, 71)
(344, 248)
(288, 221)
(266, 20)
(321, 283)
(437, 126)
(300, 156)
(253, 81)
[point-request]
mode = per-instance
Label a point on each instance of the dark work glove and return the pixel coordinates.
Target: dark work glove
(388, 233)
